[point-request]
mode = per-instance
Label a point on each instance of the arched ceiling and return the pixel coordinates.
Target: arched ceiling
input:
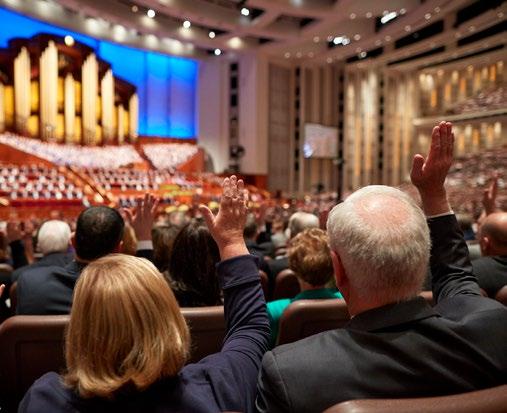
(295, 31)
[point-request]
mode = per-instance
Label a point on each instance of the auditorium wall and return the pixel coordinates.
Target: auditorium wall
(166, 85)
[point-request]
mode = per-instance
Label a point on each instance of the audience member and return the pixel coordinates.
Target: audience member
(192, 267)
(395, 345)
(99, 231)
(119, 361)
(310, 259)
(53, 242)
(298, 222)
(163, 237)
(491, 269)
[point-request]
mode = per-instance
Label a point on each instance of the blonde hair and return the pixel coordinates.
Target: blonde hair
(310, 256)
(126, 330)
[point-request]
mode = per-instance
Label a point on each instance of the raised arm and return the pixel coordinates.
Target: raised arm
(450, 266)
(244, 305)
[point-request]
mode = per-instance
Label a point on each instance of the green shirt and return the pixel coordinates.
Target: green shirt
(276, 308)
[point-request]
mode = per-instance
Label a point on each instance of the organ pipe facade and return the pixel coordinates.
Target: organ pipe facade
(56, 92)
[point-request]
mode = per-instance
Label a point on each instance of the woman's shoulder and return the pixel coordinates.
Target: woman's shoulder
(48, 393)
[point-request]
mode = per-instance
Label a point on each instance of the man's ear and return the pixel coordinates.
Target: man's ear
(485, 244)
(342, 281)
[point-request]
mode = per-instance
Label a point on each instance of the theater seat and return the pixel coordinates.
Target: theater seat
(304, 318)
(501, 295)
(264, 284)
(207, 329)
(29, 347)
(13, 297)
(286, 285)
(492, 400)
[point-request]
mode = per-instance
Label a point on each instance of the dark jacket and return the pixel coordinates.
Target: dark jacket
(408, 349)
(491, 273)
(58, 259)
(223, 381)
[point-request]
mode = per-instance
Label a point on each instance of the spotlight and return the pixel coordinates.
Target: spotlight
(362, 55)
(388, 17)
(69, 40)
(427, 16)
(150, 13)
(245, 11)
(211, 34)
(134, 9)
(187, 24)
(316, 39)
(357, 37)
(217, 52)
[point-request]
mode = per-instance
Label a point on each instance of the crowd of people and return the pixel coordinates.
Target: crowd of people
(169, 155)
(123, 276)
(486, 100)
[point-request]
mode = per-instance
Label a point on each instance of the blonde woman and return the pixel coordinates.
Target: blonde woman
(127, 342)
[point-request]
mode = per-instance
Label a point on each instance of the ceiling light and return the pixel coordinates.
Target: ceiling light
(437, 9)
(330, 38)
(338, 40)
(369, 15)
(387, 38)
(211, 34)
(408, 28)
(217, 52)
(150, 13)
(403, 11)
(299, 55)
(378, 42)
(287, 55)
(471, 28)
(352, 16)
(362, 55)
(245, 12)
(359, 50)
(187, 24)
(357, 37)
(329, 60)
(316, 39)
(427, 16)
(385, 12)
(345, 41)
(388, 17)
(69, 40)
(134, 8)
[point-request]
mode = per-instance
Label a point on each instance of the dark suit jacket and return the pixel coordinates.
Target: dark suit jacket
(59, 259)
(48, 290)
(491, 273)
(400, 350)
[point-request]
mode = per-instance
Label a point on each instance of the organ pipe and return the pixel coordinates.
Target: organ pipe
(121, 124)
(90, 74)
(69, 108)
(22, 88)
(107, 95)
(48, 91)
(133, 117)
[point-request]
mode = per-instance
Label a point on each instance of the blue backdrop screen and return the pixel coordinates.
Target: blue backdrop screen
(166, 85)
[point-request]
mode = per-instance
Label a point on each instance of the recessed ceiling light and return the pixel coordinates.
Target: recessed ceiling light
(403, 11)
(245, 11)
(150, 13)
(378, 42)
(211, 34)
(217, 52)
(369, 15)
(388, 17)
(299, 55)
(352, 16)
(69, 40)
(427, 16)
(362, 55)
(408, 28)
(329, 60)
(338, 39)
(357, 37)
(437, 9)
(387, 38)
(287, 55)
(134, 8)
(345, 41)
(316, 39)
(330, 38)
(187, 24)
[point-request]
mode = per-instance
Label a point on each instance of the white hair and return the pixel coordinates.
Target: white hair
(53, 236)
(383, 241)
(299, 221)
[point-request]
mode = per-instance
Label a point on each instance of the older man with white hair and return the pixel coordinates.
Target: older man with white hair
(53, 242)
(395, 345)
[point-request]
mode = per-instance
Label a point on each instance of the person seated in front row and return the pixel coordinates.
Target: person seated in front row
(310, 259)
(395, 345)
(127, 341)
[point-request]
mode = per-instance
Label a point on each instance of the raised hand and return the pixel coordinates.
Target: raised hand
(227, 226)
(428, 175)
(141, 217)
(489, 196)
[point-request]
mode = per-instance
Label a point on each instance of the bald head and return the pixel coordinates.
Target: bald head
(494, 234)
(382, 239)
